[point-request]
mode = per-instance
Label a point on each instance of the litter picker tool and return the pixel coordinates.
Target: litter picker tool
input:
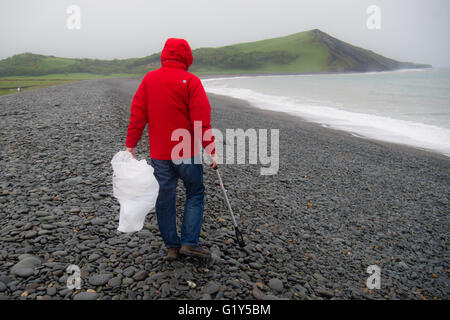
(239, 238)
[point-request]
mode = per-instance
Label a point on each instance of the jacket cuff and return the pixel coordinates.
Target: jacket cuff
(130, 145)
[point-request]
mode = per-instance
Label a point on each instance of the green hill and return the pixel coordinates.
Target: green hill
(309, 51)
(31, 64)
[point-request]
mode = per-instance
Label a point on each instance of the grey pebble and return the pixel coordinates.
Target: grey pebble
(165, 290)
(140, 275)
(98, 221)
(51, 291)
(100, 279)
(30, 234)
(211, 288)
(115, 282)
(276, 284)
(86, 296)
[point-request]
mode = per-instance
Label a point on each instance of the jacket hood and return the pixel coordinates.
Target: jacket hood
(179, 50)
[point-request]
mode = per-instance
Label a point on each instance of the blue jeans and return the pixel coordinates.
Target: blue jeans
(167, 174)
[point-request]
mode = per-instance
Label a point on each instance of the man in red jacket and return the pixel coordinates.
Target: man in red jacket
(171, 99)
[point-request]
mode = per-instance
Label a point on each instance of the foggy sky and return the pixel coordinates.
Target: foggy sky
(411, 30)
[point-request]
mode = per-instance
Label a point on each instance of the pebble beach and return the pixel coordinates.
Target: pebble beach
(337, 205)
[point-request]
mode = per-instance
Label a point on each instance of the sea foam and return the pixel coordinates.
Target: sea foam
(419, 135)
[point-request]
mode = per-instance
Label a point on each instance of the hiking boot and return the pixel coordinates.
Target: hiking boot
(172, 254)
(195, 251)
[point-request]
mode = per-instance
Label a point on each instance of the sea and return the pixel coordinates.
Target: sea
(410, 107)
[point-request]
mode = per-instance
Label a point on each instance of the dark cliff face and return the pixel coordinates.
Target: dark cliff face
(346, 57)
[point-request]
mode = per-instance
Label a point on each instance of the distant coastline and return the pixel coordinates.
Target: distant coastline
(304, 52)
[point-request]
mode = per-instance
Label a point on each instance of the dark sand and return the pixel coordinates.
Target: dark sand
(370, 202)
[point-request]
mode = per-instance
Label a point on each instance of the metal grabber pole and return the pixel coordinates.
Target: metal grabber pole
(239, 238)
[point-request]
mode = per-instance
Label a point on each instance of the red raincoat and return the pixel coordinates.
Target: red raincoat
(171, 98)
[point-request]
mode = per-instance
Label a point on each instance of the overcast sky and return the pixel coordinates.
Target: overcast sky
(411, 30)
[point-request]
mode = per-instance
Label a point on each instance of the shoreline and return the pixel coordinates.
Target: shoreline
(233, 75)
(284, 116)
(287, 116)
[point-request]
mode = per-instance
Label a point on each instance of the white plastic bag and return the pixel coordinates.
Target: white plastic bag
(136, 188)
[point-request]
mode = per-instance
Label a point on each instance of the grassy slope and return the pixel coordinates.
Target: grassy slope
(23, 63)
(54, 63)
(312, 57)
(30, 64)
(10, 84)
